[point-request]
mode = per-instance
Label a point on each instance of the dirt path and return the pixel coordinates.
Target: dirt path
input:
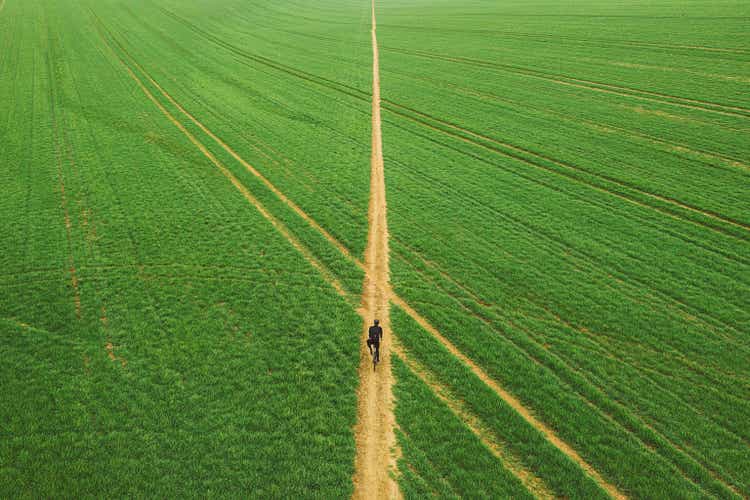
(375, 461)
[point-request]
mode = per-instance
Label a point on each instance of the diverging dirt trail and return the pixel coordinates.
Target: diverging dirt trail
(375, 462)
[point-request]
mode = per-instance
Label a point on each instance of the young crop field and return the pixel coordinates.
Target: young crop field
(206, 203)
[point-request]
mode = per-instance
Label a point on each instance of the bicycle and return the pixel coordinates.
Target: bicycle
(375, 353)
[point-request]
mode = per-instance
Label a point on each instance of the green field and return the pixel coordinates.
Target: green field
(184, 213)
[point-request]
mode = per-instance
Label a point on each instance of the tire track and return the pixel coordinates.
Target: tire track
(597, 41)
(594, 86)
(618, 272)
(534, 232)
(520, 153)
(325, 82)
(531, 482)
(342, 248)
(509, 399)
(255, 144)
(730, 256)
(241, 160)
(335, 86)
(731, 163)
(667, 200)
(220, 166)
(614, 272)
(592, 393)
(57, 138)
(479, 304)
(358, 94)
(583, 256)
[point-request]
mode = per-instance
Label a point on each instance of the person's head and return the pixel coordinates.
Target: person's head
(377, 322)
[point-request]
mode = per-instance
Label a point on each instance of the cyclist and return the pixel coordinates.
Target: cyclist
(375, 333)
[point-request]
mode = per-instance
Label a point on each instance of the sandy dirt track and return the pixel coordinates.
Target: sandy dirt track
(375, 461)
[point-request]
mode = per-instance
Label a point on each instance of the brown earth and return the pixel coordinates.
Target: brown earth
(375, 461)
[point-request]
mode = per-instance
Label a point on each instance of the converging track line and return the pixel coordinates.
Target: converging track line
(594, 86)
(567, 170)
(377, 277)
(360, 95)
(235, 182)
(511, 400)
(531, 482)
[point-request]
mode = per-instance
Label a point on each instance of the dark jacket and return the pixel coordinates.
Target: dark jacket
(375, 333)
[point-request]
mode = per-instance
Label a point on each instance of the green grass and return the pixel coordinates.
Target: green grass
(566, 204)
(442, 451)
(235, 362)
(587, 249)
(626, 452)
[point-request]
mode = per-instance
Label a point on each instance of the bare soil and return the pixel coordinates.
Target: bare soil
(375, 461)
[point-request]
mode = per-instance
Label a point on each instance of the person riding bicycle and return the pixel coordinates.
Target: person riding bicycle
(375, 333)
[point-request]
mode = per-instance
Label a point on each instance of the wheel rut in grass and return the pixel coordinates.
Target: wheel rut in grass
(58, 138)
(594, 86)
(375, 460)
(360, 95)
(599, 182)
(530, 481)
(276, 191)
(235, 182)
(511, 400)
(711, 157)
